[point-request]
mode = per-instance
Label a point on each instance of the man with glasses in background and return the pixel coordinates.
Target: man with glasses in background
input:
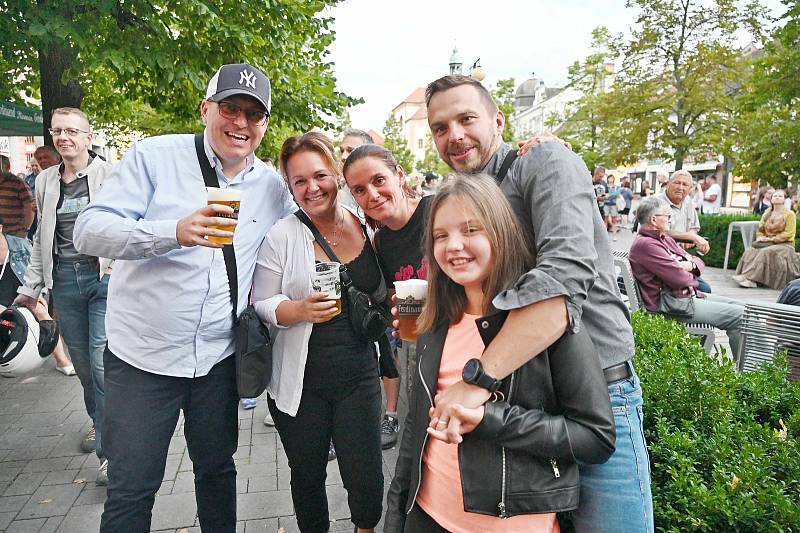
(170, 324)
(77, 281)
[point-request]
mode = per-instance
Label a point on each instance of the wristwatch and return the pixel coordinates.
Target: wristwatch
(474, 375)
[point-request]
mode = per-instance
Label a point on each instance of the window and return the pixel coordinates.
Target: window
(419, 143)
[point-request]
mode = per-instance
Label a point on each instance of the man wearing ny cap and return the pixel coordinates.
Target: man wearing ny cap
(169, 319)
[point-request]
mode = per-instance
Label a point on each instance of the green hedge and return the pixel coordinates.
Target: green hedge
(715, 229)
(723, 445)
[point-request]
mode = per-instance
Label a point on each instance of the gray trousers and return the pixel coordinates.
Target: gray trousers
(720, 312)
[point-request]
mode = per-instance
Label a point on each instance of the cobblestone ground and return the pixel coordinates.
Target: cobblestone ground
(47, 485)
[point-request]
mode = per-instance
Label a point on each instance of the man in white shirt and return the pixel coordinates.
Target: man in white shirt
(712, 196)
(170, 316)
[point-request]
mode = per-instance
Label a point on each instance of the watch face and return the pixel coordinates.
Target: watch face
(471, 370)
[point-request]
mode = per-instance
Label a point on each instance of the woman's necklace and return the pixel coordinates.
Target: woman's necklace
(337, 226)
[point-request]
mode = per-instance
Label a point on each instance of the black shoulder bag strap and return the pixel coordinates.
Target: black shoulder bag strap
(346, 281)
(507, 162)
(210, 177)
(327, 249)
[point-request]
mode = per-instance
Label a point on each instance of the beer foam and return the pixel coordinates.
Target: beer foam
(216, 194)
(414, 288)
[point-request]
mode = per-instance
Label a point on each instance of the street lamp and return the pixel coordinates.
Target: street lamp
(476, 72)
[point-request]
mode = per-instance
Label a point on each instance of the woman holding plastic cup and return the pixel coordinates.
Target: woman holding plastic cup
(324, 379)
(379, 186)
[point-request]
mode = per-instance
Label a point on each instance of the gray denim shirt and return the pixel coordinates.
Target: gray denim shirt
(551, 192)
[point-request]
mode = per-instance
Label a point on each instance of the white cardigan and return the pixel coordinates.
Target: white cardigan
(283, 272)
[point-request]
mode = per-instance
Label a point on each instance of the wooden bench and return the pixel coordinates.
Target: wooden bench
(767, 329)
(634, 297)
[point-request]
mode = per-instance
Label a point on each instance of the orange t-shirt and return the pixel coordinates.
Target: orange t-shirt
(440, 493)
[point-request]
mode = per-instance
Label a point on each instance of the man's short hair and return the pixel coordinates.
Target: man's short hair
(361, 134)
(647, 208)
(457, 80)
(599, 168)
(679, 173)
(72, 111)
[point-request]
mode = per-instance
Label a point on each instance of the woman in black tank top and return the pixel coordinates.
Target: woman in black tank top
(339, 378)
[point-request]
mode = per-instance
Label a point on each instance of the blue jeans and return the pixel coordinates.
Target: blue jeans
(615, 496)
(79, 297)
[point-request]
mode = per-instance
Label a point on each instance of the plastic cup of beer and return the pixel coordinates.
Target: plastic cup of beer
(326, 279)
(411, 296)
(230, 197)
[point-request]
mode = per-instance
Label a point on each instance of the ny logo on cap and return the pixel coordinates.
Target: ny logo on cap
(247, 78)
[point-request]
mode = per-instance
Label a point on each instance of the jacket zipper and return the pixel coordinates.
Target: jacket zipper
(556, 472)
(424, 441)
(502, 505)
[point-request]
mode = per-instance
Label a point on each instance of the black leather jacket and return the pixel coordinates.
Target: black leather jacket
(523, 457)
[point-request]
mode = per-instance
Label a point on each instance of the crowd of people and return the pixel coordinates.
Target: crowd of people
(525, 402)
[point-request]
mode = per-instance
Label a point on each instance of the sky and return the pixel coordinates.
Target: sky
(385, 49)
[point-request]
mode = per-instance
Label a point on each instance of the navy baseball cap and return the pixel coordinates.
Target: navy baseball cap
(240, 78)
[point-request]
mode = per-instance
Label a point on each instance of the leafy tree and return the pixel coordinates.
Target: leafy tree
(431, 162)
(673, 97)
(584, 121)
(504, 94)
(143, 64)
(395, 141)
(768, 137)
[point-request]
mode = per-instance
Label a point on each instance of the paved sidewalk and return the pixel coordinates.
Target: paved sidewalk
(47, 485)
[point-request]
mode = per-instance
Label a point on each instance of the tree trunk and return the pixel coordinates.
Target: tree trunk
(54, 60)
(680, 154)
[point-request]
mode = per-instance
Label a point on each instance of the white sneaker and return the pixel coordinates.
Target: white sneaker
(268, 421)
(102, 474)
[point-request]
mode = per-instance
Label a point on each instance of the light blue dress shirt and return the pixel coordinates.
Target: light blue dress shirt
(169, 308)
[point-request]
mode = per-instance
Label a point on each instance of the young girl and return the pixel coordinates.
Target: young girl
(517, 463)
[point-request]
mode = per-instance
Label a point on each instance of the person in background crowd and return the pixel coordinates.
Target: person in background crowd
(627, 194)
(790, 295)
(772, 260)
(16, 254)
(170, 315)
(684, 224)
(572, 286)
(659, 264)
(600, 187)
(5, 164)
(557, 414)
(661, 182)
(17, 206)
(46, 157)
(610, 211)
(324, 381)
(429, 184)
(78, 282)
(712, 196)
(33, 171)
(763, 200)
(646, 190)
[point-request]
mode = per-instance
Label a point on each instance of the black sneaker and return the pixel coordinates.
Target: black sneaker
(331, 453)
(390, 426)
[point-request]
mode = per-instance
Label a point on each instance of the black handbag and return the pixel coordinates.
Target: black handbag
(367, 316)
(253, 343)
(679, 306)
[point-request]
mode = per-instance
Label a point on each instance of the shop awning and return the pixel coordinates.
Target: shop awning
(19, 121)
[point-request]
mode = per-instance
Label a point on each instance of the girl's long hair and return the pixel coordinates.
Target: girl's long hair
(483, 201)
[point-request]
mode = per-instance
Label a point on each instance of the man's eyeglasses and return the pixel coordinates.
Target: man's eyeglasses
(231, 111)
(71, 132)
(669, 215)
